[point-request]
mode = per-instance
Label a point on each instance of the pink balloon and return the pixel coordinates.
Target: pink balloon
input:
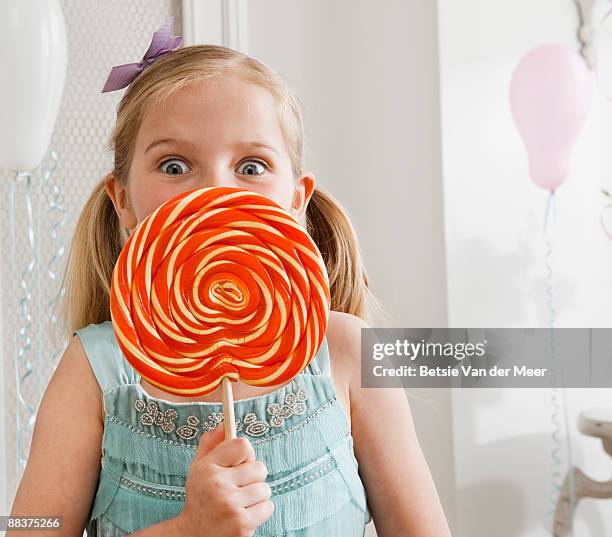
(550, 96)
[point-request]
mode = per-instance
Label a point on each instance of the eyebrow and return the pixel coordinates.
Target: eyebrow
(168, 141)
(178, 141)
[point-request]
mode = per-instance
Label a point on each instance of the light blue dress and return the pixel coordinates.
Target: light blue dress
(300, 431)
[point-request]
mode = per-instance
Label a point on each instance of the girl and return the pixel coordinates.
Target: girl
(113, 454)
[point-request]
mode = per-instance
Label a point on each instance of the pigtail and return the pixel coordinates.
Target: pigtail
(332, 231)
(95, 248)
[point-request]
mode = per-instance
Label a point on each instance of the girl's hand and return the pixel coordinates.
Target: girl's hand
(225, 492)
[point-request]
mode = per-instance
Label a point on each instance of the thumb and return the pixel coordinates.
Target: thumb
(209, 440)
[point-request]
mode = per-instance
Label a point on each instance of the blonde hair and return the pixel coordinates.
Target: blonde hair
(99, 236)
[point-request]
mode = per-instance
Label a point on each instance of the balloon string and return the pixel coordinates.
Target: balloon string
(557, 474)
(13, 249)
(39, 335)
(21, 356)
(55, 205)
(550, 203)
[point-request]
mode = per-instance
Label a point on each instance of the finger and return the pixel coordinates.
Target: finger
(260, 512)
(233, 452)
(208, 441)
(253, 494)
(247, 473)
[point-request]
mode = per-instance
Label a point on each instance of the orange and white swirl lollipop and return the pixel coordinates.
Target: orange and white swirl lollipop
(219, 283)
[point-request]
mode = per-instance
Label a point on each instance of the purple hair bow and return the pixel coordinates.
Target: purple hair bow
(163, 42)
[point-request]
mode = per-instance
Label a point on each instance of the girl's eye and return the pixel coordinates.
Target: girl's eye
(250, 167)
(173, 169)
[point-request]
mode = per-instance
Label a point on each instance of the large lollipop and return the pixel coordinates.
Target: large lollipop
(218, 284)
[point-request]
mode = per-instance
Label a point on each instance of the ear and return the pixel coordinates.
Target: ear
(304, 188)
(119, 196)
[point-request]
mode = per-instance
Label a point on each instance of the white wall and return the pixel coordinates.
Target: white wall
(367, 74)
(496, 272)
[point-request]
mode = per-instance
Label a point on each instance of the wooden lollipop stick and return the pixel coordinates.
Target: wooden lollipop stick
(228, 409)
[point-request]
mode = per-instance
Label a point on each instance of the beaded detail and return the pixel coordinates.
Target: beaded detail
(139, 432)
(294, 404)
(151, 415)
(190, 430)
(304, 478)
(157, 492)
(215, 419)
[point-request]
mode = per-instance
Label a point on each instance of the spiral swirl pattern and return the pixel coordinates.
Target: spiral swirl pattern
(219, 282)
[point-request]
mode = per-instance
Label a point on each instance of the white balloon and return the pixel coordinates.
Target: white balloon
(33, 61)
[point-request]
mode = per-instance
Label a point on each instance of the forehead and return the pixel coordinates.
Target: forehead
(216, 109)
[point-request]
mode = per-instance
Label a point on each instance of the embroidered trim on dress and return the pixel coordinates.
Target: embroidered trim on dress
(151, 415)
(299, 425)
